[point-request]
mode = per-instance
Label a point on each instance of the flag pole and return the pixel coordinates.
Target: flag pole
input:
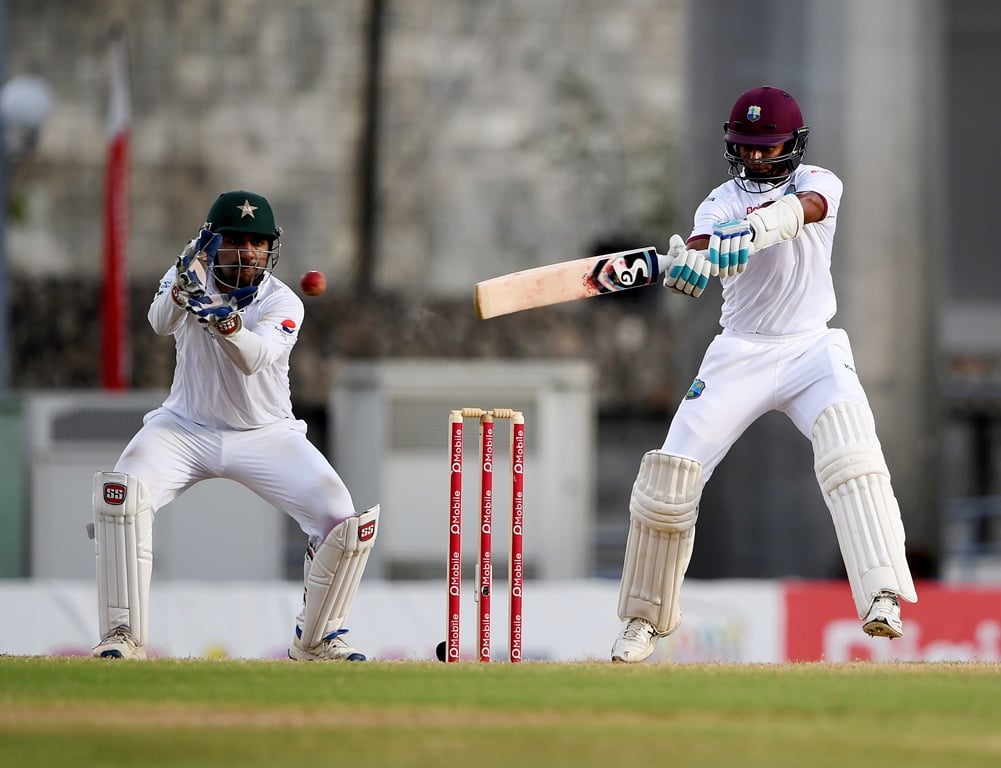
(115, 362)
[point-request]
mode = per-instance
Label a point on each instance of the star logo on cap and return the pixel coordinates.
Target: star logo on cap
(246, 209)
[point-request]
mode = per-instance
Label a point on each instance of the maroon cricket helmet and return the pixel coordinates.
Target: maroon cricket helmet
(765, 116)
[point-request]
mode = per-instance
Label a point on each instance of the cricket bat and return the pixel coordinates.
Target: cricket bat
(567, 281)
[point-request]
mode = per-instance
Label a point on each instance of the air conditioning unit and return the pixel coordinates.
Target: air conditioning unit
(389, 441)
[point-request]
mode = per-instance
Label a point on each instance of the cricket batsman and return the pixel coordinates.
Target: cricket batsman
(767, 233)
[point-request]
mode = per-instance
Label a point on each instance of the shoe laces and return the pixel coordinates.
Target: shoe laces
(637, 628)
(888, 596)
(334, 638)
(122, 633)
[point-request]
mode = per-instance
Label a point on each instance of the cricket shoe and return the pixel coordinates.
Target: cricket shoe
(330, 648)
(119, 643)
(636, 641)
(883, 619)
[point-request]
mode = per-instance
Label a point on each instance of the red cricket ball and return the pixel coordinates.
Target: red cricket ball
(313, 283)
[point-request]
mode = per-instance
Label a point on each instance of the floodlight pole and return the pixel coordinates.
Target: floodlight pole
(4, 289)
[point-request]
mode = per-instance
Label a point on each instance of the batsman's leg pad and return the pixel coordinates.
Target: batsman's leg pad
(856, 485)
(334, 576)
(123, 545)
(663, 508)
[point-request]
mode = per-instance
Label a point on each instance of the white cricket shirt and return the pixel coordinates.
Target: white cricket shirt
(239, 381)
(786, 288)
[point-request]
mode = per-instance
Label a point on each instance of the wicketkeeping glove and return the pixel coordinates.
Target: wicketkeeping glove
(191, 264)
(220, 311)
(730, 246)
(688, 272)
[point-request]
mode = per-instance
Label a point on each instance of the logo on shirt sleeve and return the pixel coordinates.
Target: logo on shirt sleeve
(696, 390)
(287, 326)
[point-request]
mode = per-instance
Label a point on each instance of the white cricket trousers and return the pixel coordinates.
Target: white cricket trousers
(744, 376)
(278, 463)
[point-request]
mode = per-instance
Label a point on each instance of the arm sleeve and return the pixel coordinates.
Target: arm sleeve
(164, 315)
(258, 345)
(712, 209)
(828, 186)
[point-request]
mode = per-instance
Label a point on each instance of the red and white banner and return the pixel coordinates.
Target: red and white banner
(948, 623)
(114, 291)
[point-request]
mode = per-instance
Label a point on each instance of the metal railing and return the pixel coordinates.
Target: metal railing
(973, 529)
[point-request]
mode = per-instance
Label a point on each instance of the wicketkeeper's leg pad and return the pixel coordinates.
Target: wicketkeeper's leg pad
(123, 545)
(663, 508)
(856, 485)
(334, 575)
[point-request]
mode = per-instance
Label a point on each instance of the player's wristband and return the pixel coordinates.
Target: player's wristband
(229, 325)
(175, 294)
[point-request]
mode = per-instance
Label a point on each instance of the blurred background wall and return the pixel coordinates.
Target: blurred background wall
(412, 148)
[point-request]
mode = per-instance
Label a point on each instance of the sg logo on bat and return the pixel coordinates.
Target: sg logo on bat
(628, 269)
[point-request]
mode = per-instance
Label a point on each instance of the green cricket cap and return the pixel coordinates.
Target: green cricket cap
(241, 211)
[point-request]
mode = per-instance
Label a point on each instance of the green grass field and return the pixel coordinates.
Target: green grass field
(86, 712)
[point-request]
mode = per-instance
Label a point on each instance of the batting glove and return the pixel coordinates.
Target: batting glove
(688, 272)
(730, 246)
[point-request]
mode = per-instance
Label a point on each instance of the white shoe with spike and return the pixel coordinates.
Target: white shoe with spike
(331, 648)
(883, 619)
(636, 641)
(119, 643)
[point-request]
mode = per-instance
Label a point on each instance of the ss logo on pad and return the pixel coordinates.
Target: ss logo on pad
(114, 493)
(367, 531)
